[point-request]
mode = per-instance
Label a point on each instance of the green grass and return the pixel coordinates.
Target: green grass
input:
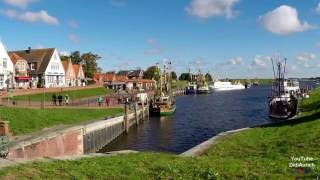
(261, 81)
(180, 84)
(23, 121)
(259, 153)
(74, 94)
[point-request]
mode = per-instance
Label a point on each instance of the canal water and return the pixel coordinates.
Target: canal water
(197, 118)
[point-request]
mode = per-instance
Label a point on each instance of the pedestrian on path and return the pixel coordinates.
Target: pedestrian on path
(54, 99)
(67, 99)
(60, 99)
(107, 100)
(99, 100)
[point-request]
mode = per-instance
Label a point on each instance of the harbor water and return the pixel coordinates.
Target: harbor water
(197, 118)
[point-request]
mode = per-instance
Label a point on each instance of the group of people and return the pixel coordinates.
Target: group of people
(60, 99)
(100, 100)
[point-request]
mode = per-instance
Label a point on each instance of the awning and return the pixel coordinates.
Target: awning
(23, 78)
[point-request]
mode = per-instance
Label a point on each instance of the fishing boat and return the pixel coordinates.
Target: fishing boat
(202, 84)
(284, 101)
(164, 102)
(191, 89)
(227, 86)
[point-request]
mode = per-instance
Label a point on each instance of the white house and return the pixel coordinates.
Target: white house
(6, 69)
(45, 67)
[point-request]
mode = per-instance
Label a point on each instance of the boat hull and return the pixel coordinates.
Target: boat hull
(191, 92)
(282, 109)
(156, 111)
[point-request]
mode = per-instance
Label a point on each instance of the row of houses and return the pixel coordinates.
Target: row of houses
(33, 68)
(124, 80)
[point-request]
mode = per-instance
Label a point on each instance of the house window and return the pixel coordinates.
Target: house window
(23, 67)
(32, 66)
(55, 66)
(4, 62)
(1, 80)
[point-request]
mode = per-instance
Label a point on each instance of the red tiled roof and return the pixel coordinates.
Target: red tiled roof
(14, 58)
(122, 78)
(76, 68)
(109, 77)
(65, 64)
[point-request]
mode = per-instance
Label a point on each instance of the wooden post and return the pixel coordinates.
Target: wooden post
(136, 113)
(143, 113)
(126, 119)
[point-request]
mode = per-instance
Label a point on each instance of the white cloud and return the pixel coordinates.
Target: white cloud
(305, 57)
(261, 62)
(284, 20)
(73, 24)
(73, 38)
(318, 9)
(210, 8)
(20, 3)
(31, 17)
(236, 61)
(64, 53)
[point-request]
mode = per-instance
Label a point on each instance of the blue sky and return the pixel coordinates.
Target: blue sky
(229, 38)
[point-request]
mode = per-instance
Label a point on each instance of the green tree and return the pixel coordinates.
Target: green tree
(173, 75)
(76, 57)
(185, 77)
(208, 77)
(64, 58)
(151, 73)
(90, 65)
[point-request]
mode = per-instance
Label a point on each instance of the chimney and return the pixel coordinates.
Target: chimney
(28, 50)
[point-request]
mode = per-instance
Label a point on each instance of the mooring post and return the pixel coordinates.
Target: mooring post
(143, 113)
(136, 113)
(126, 119)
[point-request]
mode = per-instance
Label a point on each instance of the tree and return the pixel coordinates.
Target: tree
(76, 57)
(90, 65)
(64, 58)
(208, 77)
(151, 73)
(173, 75)
(185, 77)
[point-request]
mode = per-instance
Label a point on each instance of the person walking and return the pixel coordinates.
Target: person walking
(67, 99)
(54, 99)
(60, 99)
(99, 100)
(107, 100)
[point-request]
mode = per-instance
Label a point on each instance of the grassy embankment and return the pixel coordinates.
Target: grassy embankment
(179, 84)
(73, 94)
(257, 153)
(260, 81)
(23, 121)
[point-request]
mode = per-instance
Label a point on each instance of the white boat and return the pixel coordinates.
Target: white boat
(226, 86)
(203, 89)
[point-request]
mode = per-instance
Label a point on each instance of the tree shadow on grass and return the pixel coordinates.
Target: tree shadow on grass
(292, 122)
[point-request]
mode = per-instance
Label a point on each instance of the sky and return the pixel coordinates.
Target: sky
(228, 38)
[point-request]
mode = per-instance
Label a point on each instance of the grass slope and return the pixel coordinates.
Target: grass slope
(23, 121)
(259, 153)
(74, 94)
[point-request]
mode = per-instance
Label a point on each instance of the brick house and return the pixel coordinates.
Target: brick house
(21, 77)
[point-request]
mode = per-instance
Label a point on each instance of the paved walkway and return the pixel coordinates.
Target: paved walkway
(12, 162)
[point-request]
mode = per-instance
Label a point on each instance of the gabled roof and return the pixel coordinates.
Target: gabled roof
(41, 56)
(15, 58)
(76, 68)
(131, 73)
(65, 65)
